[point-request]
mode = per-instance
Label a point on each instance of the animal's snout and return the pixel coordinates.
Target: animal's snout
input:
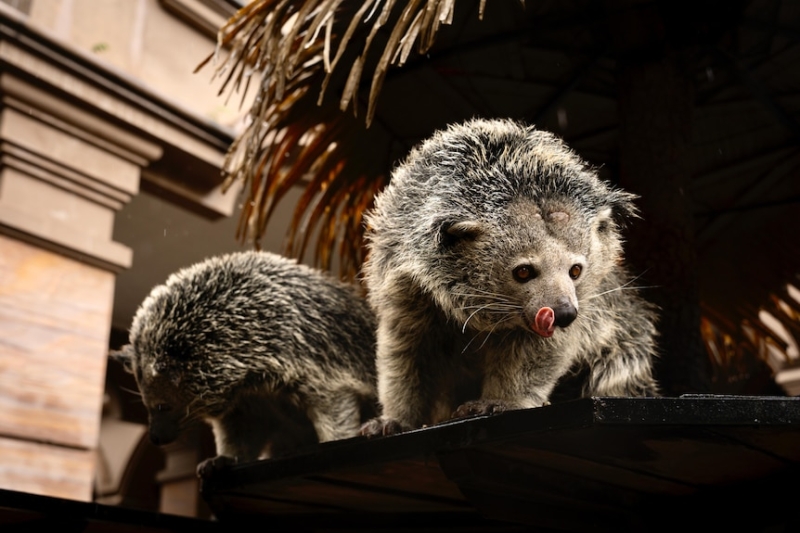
(163, 431)
(160, 439)
(565, 313)
(546, 319)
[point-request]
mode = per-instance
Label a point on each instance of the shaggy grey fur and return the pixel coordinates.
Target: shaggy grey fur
(494, 268)
(273, 354)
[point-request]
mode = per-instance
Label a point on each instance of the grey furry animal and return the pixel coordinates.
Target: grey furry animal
(495, 269)
(273, 354)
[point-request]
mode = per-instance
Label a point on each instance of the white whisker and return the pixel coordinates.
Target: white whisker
(621, 288)
(134, 392)
(492, 331)
(488, 333)
(480, 294)
(464, 328)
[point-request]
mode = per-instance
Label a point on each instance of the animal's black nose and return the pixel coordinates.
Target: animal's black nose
(565, 314)
(155, 438)
(160, 437)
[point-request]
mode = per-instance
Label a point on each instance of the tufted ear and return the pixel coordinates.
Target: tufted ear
(125, 356)
(605, 221)
(451, 232)
(622, 204)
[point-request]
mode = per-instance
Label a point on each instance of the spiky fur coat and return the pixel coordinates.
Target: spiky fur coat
(273, 354)
(495, 268)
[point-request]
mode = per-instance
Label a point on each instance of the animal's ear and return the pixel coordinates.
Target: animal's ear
(622, 204)
(125, 356)
(452, 231)
(605, 221)
(614, 210)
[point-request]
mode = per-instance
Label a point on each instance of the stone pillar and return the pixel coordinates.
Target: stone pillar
(54, 317)
(63, 175)
(75, 141)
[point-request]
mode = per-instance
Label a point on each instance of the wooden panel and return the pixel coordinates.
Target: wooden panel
(548, 490)
(492, 473)
(689, 454)
(45, 469)
(592, 471)
(771, 440)
(423, 478)
(55, 316)
(545, 516)
(590, 465)
(350, 498)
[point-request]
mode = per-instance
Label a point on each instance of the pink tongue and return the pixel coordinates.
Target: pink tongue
(544, 322)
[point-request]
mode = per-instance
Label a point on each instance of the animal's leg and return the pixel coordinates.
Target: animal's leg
(514, 379)
(338, 415)
(412, 342)
(615, 372)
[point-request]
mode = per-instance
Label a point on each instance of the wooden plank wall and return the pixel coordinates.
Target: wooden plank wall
(55, 316)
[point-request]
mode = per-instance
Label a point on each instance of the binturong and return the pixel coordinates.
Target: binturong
(274, 355)
(495, 269)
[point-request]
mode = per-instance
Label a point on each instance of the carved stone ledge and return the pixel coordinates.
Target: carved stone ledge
(77, 139)
(205, 15)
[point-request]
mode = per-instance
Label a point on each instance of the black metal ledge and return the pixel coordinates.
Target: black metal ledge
(599, 464)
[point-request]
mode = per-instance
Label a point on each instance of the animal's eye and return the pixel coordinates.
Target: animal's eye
(163, 407)
(524, 273)
(575, 271)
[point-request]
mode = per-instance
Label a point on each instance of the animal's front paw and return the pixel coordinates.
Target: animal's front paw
(378, 427)
(210, 466)
(480, 407)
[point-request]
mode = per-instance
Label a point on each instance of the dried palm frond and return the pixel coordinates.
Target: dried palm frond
(272, 37)
(745, 353)
(290, 50)
(305, 61)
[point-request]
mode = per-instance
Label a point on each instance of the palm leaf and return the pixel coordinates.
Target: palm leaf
(292, 53)
(286, 50)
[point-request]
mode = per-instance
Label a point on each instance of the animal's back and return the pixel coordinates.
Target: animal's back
(272, 353)
(266, 311)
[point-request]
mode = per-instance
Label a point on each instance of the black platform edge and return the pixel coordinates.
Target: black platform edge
(699, 409)
(705, 410)
(21, 511)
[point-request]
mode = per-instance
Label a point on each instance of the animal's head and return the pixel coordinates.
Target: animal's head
(512, 228)
(170, 341)
(166, 401)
